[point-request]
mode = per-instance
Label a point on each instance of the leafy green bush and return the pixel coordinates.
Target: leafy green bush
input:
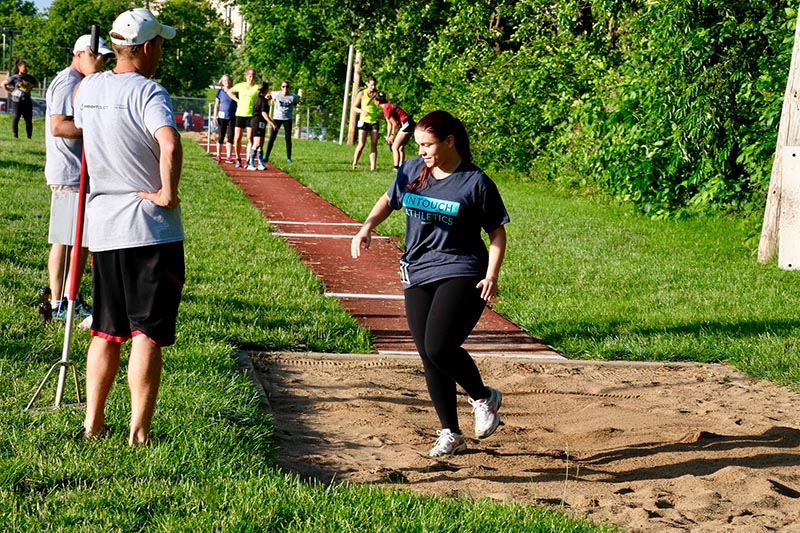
(673, 106)
(690, 86)
(670, 105)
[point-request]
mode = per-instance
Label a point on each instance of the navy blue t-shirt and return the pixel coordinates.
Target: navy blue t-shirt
(227, 105)
(444, 222)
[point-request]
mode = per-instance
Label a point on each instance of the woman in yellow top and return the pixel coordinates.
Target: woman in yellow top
(244, 94)
(369, 113)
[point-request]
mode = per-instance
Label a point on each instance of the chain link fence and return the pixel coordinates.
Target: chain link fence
(310, 122)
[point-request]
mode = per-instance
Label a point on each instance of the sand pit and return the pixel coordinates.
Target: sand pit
(649, 447)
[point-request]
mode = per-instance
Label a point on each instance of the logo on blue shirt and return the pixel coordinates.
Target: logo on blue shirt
(430, 209)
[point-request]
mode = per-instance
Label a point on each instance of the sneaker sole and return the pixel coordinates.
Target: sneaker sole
(458, 449)
(494, 427)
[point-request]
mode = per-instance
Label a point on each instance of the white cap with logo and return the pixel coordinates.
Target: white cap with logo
(137, 26)
(86, 40)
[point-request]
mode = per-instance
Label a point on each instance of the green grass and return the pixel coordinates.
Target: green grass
(596, 281)
(212, 466)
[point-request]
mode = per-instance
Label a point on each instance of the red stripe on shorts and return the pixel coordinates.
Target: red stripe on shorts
(109, 338)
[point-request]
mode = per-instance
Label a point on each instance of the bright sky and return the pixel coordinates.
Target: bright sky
(42, 4)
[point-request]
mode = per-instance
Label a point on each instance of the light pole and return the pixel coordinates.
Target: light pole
(10, 33)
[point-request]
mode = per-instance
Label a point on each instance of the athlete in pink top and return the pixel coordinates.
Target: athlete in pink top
(400, 126)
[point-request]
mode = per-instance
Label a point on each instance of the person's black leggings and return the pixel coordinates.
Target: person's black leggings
(24, 109)
(225, 131)
(273, 134)
(441, 315)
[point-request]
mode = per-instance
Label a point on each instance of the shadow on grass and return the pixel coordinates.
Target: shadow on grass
(16, 165)
(596, 331)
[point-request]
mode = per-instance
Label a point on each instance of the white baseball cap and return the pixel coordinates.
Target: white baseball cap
(137, 26)
(86, 40)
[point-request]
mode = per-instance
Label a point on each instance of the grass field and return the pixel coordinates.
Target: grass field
(211, 467)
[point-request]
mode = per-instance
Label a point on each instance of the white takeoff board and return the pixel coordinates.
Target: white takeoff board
(789, 228)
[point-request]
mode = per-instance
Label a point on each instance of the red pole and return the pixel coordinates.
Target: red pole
(78, 244)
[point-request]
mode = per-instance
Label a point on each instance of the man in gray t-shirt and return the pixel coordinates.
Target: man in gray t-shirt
(283, 102)
(134, 157)
(62, 170)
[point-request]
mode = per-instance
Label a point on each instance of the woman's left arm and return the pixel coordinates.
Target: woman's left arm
(497, 251)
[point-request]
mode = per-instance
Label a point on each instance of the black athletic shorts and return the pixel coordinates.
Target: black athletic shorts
(259, 126)
(242, 122)
(137, 291)
(408, 126)
(369, 126)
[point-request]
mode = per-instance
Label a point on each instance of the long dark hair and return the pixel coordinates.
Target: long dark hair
(441, 125)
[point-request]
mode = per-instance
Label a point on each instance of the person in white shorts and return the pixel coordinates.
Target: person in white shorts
(62, 170)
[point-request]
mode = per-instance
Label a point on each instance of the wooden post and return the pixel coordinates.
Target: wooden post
(351, 130)
(788, 135)
(345, 99)
(297, 117)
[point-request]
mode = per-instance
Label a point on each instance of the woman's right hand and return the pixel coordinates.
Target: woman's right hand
(355, 244)
(380, 212)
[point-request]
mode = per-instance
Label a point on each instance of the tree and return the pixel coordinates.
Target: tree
(14, 12)
(14, 15)
(200, 51)
(190, 61)
(303, 42)
(47, 39)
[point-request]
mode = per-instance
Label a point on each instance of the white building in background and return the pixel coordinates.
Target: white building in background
(230, 15)
(228, 11)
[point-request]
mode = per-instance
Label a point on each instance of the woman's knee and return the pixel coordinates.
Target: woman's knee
(438, 350)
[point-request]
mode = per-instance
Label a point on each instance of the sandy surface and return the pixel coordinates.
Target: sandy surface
(651, 448)
(648, 447)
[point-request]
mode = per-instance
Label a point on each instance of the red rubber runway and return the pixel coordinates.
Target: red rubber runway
(368, 288)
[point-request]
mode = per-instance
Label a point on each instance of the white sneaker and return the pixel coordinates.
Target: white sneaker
(448, 443)
(486, 417)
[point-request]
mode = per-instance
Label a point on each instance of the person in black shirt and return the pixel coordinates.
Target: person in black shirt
(258, 127)
(19, 85)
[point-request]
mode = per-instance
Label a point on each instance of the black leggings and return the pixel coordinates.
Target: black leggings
(24, 109)
(441, 315)
(287, 127)
(225, 130)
